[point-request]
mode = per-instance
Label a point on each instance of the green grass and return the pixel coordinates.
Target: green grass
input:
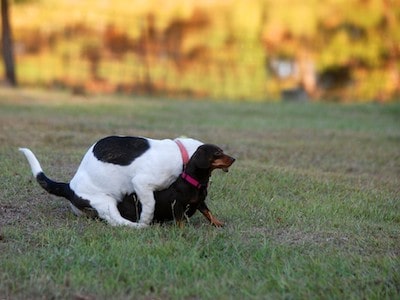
(312, 203)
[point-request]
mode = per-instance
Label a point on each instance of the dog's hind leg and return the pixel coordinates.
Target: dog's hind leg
(107, 210)
(146, 197)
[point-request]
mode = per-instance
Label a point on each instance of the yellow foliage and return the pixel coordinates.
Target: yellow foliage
(228, 57)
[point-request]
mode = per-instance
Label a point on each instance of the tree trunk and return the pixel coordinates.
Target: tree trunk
(7, 45)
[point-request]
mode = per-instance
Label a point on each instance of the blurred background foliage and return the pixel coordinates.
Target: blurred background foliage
(338, 50)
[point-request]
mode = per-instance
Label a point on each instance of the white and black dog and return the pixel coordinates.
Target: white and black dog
(117, 166)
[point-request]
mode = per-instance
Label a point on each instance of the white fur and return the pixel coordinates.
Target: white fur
(34, 163)
(104, 184)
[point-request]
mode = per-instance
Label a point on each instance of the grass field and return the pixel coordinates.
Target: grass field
(312, 204)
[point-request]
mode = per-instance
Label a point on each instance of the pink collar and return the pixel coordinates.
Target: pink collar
(185, 159)
(192, 181)
(184, 153)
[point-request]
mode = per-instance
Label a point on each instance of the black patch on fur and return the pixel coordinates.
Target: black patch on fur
(130, 207)
(62, 189)
(81, 203)
(120, 150)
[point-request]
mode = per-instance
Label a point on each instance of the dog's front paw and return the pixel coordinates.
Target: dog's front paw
(217, 223)
(142, 225)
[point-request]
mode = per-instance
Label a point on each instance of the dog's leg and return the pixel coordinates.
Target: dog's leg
(107, 210)
(145, 195)
(178, 213)
(206, 212)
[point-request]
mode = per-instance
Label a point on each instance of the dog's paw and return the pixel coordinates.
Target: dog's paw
(141, 225)
(217, 223)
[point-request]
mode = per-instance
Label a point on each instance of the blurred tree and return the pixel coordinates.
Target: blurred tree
(92, 52)
(7, 46)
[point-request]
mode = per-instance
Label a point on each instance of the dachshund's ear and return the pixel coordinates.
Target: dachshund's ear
(202, 159)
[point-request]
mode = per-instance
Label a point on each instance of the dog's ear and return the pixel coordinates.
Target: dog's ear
(202, 159)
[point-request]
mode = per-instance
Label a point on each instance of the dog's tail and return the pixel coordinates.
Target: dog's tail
(60, 189)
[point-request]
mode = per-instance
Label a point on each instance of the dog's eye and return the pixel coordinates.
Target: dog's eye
(218, 154)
